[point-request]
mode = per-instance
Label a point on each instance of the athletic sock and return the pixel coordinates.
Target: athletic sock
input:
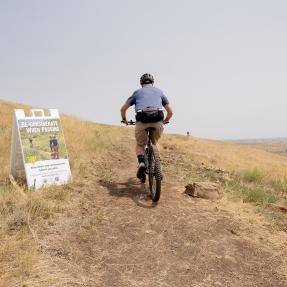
(140, 158)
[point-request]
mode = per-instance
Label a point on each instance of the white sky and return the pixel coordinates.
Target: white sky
(222, 64)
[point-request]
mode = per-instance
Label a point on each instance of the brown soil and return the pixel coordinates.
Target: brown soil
(110, 234)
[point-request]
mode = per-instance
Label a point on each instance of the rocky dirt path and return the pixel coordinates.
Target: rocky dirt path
(111, 234)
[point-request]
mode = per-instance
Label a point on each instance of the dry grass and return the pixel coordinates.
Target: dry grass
(85, 139)
(90, 147)
(253, 175)
(231, 157)
(277, 146)
(17, 247)
(254, 194)
(21, 212)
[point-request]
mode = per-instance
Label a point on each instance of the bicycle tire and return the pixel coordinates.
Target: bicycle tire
(154, 173)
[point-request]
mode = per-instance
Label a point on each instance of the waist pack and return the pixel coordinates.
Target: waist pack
(149, 116)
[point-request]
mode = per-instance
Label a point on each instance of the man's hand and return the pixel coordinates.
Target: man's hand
(124, 121)
(165, 122)
(169, 114)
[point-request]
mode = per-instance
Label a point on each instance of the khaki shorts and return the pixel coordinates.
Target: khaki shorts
(141, 134)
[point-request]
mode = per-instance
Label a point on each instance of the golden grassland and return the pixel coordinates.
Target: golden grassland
(22, 211)
(84, 139)
(232, 157)
(278, 146)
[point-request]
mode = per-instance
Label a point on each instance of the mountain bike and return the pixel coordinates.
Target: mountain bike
(153, 165)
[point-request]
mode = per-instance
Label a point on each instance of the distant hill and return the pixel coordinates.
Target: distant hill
(259, 139)
(274, 145)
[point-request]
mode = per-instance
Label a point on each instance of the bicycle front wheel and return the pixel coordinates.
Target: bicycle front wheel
(154, 173)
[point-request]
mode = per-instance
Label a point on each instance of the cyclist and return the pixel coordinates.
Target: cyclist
(31, 142)
(149, 102)
(51, 143)
(55, 147)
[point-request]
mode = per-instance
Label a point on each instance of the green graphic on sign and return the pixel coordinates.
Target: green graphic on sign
(42, 140)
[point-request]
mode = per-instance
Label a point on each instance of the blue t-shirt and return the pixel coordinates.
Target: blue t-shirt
(148, 97)
(54, 142)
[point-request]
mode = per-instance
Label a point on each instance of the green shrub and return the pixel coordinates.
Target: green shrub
(253, 175)
(255, 195)
(260, 196)
(235, 186)
(212, 175)
(280, 185)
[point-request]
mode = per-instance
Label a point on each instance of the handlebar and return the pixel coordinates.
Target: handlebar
(132, 123)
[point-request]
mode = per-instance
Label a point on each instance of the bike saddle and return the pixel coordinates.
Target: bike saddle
(150, 129)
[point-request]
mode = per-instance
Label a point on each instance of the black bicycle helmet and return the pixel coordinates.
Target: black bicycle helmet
(147, 79)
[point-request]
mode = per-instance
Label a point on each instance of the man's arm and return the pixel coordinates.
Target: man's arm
(169, 113)
(123, 112)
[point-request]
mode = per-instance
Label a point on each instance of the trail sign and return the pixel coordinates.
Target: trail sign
(38, 149)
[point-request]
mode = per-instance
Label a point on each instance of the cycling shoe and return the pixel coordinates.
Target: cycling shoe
(141, 170)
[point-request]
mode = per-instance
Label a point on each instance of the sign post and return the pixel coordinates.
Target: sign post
(38, 149)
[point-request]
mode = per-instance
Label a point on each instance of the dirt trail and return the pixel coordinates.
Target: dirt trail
(111, 234)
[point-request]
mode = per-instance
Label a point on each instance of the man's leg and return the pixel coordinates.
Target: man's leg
(158, 147)
(139, 149)
(157, 134)
(141, 161)
(140, 134)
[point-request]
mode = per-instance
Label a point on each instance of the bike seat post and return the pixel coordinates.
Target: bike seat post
(150, 134)
(150, 129)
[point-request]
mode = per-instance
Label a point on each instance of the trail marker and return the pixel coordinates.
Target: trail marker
(38, 149)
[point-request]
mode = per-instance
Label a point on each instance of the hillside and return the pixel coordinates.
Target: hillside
(276, 145)
(103, 230)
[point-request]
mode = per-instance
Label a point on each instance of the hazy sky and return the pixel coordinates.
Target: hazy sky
(222, 64)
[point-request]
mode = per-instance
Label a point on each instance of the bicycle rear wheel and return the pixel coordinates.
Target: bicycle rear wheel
(154, 174)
